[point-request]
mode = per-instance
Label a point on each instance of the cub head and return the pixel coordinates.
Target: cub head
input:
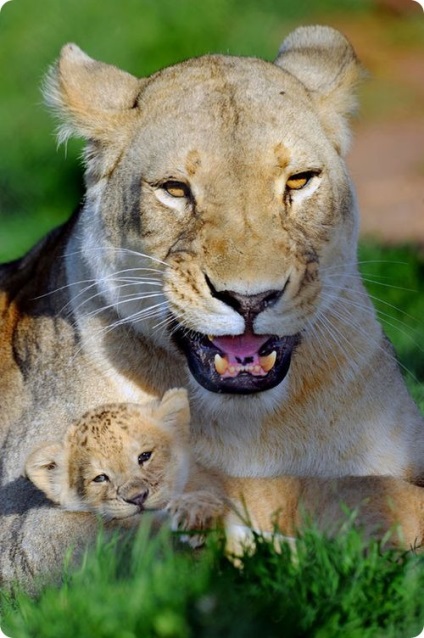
(119, 459)
(219, 217)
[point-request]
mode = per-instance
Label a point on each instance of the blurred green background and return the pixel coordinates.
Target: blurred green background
(41, 185)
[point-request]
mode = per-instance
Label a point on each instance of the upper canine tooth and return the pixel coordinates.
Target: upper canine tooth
(221, 364)
(211, 337)
(268, 361)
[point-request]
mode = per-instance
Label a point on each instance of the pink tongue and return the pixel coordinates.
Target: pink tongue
(241, 346)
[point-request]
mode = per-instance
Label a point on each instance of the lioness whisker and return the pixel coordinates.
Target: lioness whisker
(342, 267)
(387, 318)
(99, 293)
(119, 302)
(346, 318)
(339, 339)
(112, 276)
(381, 301)
(155, 310)
(116, 250)
(168, 321)
(124, 322)
(93, 283)
(372, 281)
(386, 303)
(145, 313)
(321, 328)
(137, 280)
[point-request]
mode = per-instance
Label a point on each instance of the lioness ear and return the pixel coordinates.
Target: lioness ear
(174, 409)
(94, 99)
(326, 64)
(44, 468)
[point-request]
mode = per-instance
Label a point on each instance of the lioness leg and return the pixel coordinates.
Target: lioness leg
(382, 504)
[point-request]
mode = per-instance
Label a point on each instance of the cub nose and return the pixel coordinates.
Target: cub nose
(138, 499)
(249, 306)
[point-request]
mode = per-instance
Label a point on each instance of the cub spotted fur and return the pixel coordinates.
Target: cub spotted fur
(215, 250)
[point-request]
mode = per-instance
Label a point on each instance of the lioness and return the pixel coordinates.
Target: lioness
(216, 249)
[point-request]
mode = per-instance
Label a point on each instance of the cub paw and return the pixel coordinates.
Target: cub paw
(195, 512)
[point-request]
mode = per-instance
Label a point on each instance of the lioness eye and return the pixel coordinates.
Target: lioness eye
(101, 478)
(299, 181)
(144, 456)
(176, 189)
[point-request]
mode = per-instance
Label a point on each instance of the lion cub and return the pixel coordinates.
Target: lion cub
(120, 459)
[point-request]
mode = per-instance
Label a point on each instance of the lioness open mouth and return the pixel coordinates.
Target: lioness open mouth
(240, 364)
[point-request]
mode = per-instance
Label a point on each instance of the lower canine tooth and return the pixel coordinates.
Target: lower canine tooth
(268, 362)
(221, 364)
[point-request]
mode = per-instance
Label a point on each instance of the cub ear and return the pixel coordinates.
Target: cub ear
(174, 409)
(94, 99)
(326, 64)
(44, 467)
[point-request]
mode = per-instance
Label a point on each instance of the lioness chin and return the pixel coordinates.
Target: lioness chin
(216, 249)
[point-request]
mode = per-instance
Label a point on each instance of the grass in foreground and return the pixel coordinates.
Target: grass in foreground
(146, 588)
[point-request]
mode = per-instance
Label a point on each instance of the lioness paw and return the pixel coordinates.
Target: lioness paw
(195, 512)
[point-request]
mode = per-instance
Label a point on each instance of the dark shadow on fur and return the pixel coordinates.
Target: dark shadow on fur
(20, 496)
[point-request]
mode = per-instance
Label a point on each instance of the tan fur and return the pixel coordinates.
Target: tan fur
(381, 506)
(108, 441)
(87, 317)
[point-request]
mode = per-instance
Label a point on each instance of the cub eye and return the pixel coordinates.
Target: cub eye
(177, 189)
(144, 456)
(101, 478)
(299, 180)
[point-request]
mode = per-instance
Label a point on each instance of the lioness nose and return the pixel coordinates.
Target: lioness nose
(247, 305)
(139, 498)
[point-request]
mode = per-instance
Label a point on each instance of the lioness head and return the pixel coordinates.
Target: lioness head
(219, 216)
(119, 459)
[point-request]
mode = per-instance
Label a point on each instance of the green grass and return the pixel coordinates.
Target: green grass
(147, 589)
(331, 588)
